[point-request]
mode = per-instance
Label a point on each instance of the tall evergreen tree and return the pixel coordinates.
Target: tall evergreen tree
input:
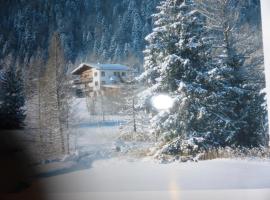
(236, 98)
(12, 112)
(174, 61)
(136, 32)
(118, 56)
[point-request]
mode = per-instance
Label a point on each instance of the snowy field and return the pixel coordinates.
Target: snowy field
(121, 179)
(170, 195)
(109, 177)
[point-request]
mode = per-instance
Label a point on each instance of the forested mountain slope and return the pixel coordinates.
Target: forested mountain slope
(97, 29)
(94, 30)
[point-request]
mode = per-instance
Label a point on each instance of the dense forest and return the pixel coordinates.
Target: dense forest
(95, 30)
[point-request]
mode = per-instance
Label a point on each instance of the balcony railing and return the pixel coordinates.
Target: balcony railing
(79, 82)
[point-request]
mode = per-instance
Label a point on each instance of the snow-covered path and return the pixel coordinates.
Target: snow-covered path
(92, 135)
(121, 179)
(95, 137)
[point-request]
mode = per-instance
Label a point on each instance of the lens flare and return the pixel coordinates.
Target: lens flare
(162, 102)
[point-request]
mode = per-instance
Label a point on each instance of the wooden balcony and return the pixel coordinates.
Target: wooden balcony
(80, 82)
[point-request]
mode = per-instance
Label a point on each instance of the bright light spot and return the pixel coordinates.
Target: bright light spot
(162, 102)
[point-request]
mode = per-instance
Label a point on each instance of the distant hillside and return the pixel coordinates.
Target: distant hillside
(99, 30)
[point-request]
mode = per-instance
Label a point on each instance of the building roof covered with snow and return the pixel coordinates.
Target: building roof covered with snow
(86, 66)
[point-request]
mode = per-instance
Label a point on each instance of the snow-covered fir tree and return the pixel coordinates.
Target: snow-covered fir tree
(236, 98)
(118, 54)
(175, 62)
(136, 32)
(12, 111)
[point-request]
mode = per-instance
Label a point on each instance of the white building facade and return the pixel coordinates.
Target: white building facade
(101, 77)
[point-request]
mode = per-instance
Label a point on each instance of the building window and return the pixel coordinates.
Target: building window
(96, 83)
(102, 73)
(95, 74)
(123, 73)
(103, 82)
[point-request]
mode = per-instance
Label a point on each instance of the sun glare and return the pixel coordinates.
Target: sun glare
(162, 102)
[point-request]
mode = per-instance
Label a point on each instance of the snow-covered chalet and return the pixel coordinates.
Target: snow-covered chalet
(99, 79)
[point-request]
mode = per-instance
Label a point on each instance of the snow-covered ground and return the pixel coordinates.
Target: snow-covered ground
(109, 177)
(117, 179)
(92, 134)
(169, 195)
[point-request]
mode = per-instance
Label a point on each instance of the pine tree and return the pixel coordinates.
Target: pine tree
(104, 44)
(136, 31)
(127, 51)
(174, 59)
(118, 56)
(146, 30)
(96, 47)
(236, 99)
(12, 112)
